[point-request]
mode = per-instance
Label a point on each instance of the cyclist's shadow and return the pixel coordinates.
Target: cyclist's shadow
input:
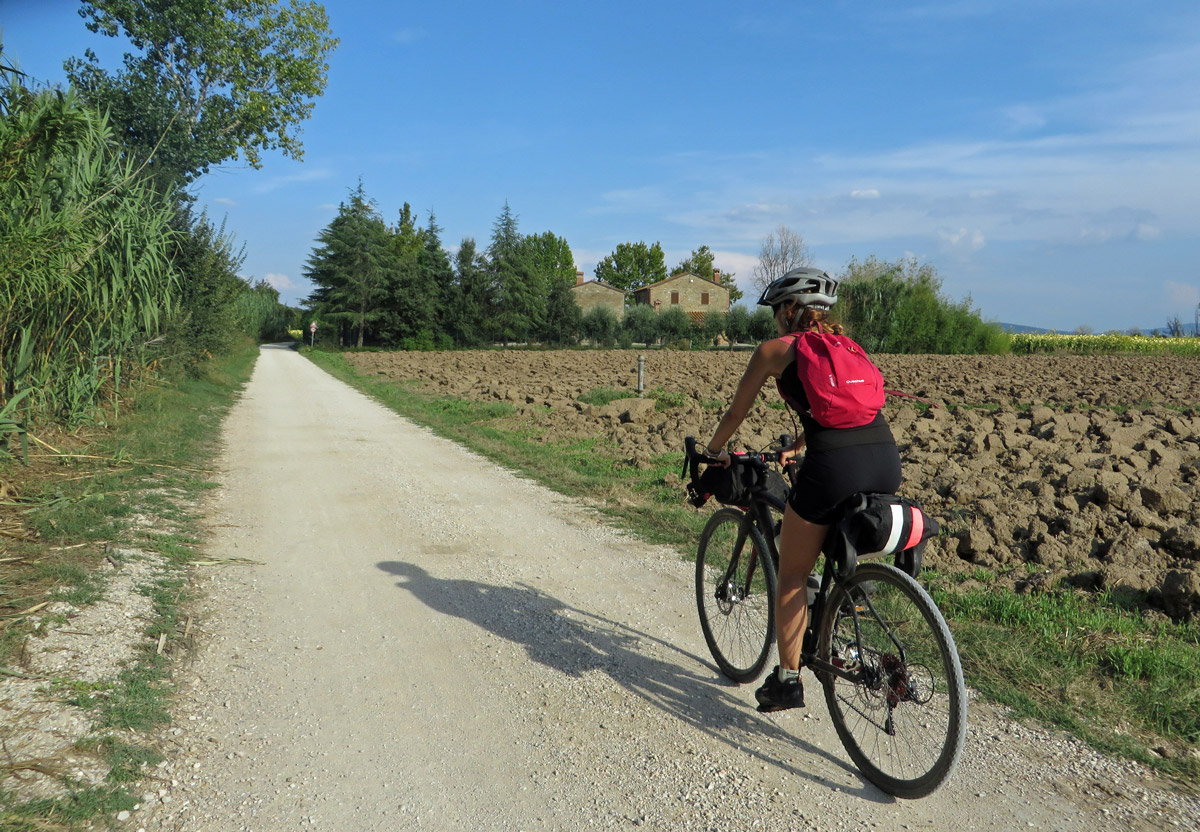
(576, 642)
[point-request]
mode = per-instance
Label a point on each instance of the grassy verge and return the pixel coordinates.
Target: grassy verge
(73, 507)
(1124, 683)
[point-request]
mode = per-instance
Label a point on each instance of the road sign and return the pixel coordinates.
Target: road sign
(312, 327)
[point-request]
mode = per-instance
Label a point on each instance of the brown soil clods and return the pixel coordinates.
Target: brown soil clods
(1045, 470)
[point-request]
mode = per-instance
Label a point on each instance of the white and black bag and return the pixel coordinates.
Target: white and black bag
(878, 525)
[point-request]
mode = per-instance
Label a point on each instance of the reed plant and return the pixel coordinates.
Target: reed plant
(86, 278)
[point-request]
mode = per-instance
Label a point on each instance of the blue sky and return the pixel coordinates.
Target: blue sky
(1043, 156)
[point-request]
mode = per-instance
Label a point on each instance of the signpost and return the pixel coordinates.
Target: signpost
(312, 329)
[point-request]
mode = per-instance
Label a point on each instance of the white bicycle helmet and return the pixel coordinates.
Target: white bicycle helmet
(812, 288)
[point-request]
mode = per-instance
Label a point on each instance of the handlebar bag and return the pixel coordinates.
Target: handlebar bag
(733, 486)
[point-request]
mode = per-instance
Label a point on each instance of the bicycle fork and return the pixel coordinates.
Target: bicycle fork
(728, 591)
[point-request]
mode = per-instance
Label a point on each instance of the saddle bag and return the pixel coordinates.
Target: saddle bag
(878, 525)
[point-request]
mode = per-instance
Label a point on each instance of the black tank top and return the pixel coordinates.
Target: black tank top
(817, 436)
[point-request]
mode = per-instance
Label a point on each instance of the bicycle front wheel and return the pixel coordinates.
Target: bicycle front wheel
(903, 719)
(735, 594)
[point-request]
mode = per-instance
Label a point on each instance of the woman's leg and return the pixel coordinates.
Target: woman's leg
(799, 546)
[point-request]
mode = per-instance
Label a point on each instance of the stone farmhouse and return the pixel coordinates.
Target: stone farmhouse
(592, 293)
(690, 292)
(695, 295)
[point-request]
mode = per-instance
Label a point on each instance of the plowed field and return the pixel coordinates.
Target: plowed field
(1040, 468)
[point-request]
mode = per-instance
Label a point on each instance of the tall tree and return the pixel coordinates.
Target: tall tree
(782, 250)
(701, 262)
(350, 265)
(432, 284)
(471, 302)
(632, 266)
(519, 303)
(210, 80)
(412, 292)
(554, 269)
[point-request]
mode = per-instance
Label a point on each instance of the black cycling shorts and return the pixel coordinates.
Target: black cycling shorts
(827, 477)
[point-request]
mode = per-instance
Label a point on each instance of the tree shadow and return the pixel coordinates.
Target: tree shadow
(575, 642)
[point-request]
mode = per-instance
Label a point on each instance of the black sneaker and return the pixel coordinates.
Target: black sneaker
(775, 695)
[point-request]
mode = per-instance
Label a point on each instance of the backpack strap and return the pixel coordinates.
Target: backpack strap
(902, 394)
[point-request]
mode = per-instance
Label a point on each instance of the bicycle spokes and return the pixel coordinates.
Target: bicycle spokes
(735, 595)
(895, 691)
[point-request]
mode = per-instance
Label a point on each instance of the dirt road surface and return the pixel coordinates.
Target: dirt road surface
(425, 641)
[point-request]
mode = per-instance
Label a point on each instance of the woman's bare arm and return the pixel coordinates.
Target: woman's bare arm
(768, 361)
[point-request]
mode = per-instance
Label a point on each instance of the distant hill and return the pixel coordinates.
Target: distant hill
(1022, 329)
(1188, 329)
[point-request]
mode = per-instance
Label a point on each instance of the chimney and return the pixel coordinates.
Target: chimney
(716, 276)
(578, 277)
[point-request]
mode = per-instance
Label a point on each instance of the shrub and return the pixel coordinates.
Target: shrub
(762, 325)
(712, 326)
(899, 308)
(640, 323)
(737, 325)
(673, 324)
(600, 325)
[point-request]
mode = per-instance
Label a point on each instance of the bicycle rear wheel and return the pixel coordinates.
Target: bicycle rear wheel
(735, 594)
(904, 720)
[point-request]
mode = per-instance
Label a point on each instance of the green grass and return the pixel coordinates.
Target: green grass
(1085, 664)
(154, 462)
(1120, 681)
(600, 396)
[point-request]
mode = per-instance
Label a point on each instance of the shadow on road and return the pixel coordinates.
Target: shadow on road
(575, 642)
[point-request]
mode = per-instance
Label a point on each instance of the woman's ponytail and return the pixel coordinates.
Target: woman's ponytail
(807, 319)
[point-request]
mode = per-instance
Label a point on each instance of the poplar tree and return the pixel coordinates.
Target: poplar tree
(207, 80)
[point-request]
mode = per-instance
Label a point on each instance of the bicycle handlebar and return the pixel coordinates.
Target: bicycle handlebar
(759, 459)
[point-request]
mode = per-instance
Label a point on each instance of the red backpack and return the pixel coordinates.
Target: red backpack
(844, 387)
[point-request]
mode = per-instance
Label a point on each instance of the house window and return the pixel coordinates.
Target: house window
(704, 298)
(675, 297)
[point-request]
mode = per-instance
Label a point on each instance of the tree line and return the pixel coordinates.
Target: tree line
(107, 269)
(394, 286)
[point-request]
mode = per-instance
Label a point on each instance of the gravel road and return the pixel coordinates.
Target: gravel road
(425, 641)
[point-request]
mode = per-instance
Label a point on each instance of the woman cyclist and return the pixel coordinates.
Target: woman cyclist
(837, 463)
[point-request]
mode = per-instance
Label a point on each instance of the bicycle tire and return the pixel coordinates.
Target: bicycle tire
(904, 722)
(735, 594)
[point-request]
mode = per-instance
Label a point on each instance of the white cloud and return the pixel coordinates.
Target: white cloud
(961, 241)
(742, 266)
(224, 201)
(279, 281)
(1146, 232)
(868, 193)
(1182, 294)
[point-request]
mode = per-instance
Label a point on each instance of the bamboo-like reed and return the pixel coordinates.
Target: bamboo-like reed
(85, 272)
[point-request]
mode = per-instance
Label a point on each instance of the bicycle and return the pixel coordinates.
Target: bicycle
(876, 641)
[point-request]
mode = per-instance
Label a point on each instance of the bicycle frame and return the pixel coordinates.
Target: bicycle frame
(759, 513)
